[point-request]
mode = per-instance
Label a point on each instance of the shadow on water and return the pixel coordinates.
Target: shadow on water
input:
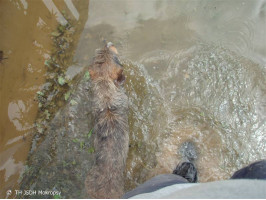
(195, 71)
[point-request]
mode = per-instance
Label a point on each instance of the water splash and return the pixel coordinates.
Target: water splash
(205, 94)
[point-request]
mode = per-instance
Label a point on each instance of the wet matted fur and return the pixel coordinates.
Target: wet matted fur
(110, 109)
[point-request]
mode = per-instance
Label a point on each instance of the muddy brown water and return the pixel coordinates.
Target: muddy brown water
(195, 72)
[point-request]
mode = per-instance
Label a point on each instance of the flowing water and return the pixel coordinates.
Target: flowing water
(195, 71)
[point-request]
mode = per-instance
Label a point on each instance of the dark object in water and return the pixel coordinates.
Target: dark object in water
(2, 56)
(187, 170)
(110, 106)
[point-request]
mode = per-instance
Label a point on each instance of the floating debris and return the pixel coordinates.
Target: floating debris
(51, 98)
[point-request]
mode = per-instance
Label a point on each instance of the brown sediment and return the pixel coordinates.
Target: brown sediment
(110, 105)
(25, 69)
